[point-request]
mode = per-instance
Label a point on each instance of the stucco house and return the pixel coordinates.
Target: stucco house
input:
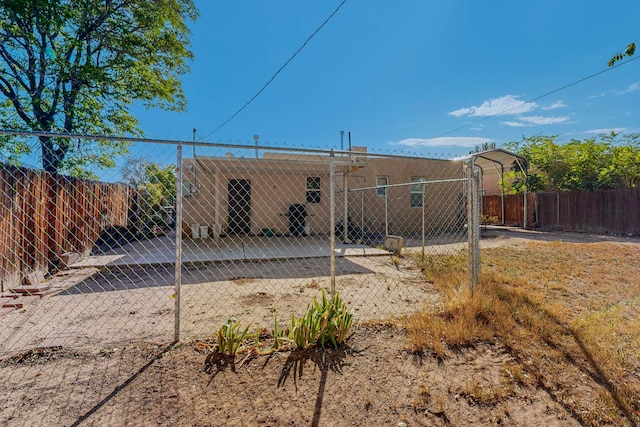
(232, 195)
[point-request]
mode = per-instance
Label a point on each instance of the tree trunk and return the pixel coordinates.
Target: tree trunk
(52, 157)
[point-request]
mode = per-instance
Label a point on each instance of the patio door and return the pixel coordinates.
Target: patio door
(239, 206)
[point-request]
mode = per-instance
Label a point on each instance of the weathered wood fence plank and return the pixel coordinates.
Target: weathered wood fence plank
(43, 215)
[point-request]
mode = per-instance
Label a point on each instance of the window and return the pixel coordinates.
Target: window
(313, 189)
(416, 192)
(381, 183)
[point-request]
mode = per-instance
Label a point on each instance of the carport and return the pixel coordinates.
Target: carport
(494, 163)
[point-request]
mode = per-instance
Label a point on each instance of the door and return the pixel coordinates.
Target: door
(239, 206)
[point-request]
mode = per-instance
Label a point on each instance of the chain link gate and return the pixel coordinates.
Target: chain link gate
(203, 233)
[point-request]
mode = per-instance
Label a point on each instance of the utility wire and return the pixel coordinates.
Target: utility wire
(539, 97)
(277, 72)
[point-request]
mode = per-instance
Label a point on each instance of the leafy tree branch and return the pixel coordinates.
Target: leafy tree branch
(77, 66)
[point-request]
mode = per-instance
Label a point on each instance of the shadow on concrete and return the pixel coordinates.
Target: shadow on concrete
(129, 277)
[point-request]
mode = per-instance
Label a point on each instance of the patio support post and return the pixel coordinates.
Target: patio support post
(217, 228)
(386, 211)
(178, 261)
(345, 231)
(362, 215)
(332, 220)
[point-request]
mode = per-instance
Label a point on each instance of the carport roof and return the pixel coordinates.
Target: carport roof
(496, 161)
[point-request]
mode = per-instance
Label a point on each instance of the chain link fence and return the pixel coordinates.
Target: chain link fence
(181, 237)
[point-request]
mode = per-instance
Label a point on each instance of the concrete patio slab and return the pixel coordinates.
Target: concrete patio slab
(161, 250)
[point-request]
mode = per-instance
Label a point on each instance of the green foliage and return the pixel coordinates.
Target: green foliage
(230, 337)
(158, 184)
(629, 51)
(278, 333)
(327, 321)
(485, 146)
(596, 163)
(78, 67)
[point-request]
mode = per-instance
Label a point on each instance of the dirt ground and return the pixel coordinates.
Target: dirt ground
(374, 380)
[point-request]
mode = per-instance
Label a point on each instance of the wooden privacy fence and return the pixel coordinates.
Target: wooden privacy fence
(513, 209)
(44, 215)
(607, 211)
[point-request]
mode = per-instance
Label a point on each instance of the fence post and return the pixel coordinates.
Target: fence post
(476, 226)
(178, 261)
(526, 208)
(473, 224)
(332, 220)
(423, 207)
(557, 210)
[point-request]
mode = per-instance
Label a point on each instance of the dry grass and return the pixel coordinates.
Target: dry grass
(568, 314)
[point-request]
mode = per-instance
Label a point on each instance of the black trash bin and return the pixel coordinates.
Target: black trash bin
(297, 219)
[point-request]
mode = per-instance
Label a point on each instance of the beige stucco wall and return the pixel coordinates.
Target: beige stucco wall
(442, 204)
(276, 184)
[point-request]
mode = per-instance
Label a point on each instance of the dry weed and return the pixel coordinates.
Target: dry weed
(567, 312)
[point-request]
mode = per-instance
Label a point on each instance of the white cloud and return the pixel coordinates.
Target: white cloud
(606, 130)
(535, 121)
(508, 104)
(539, 120)
(446, 141)
(557, 104)
(514, 124)
(631, 88)
(460, 112)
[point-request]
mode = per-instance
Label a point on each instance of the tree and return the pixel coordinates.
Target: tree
(624, 166)
(597, 163)
(157, 183)
(77, 66)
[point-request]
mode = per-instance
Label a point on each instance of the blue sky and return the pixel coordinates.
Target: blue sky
(400, 74)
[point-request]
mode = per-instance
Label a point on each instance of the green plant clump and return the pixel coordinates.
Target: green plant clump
(327, 321)
(230, 337)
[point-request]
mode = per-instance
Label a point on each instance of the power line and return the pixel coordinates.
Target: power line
(539, 97)
(277, 72)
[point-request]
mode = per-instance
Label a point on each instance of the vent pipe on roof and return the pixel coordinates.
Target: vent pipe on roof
(256, 138)
(341, 140)
(349, 140)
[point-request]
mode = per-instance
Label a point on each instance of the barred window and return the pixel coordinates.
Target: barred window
(416, 192)
(381, 183)
(313, 189)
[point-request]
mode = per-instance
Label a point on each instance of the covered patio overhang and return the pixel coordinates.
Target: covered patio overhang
(494, 163)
